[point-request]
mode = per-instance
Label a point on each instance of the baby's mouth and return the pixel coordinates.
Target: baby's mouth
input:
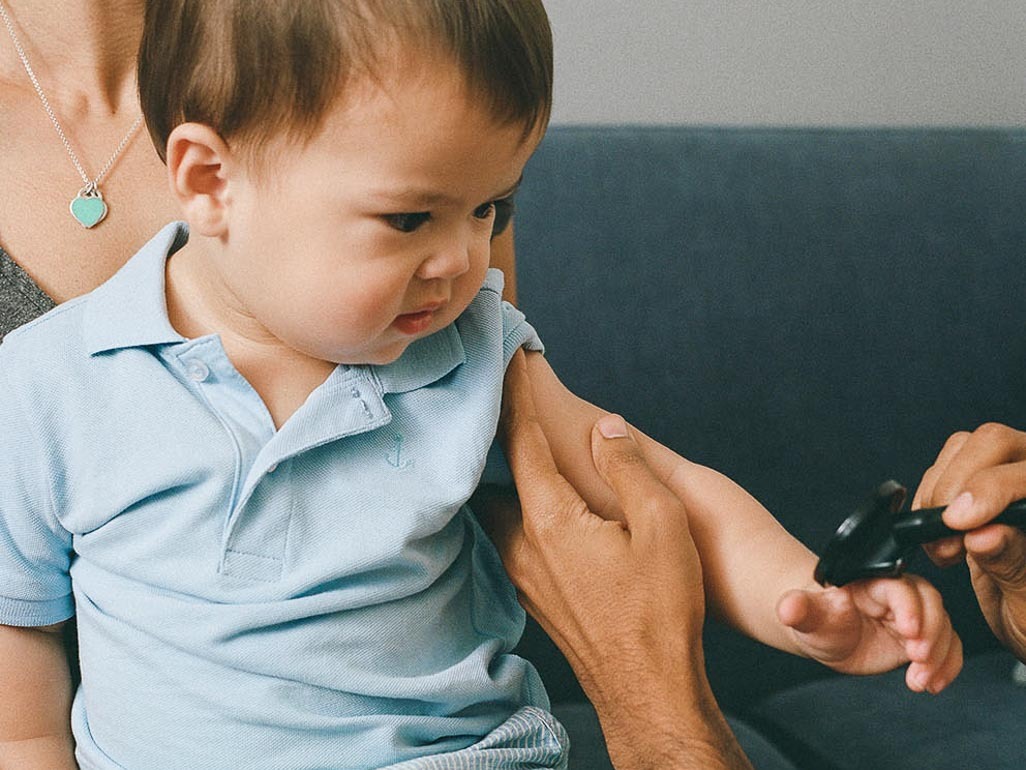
(414, 323)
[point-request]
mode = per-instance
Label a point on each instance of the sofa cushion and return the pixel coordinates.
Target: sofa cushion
(853, 723)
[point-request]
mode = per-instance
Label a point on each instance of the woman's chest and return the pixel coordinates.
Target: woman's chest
(37, 228)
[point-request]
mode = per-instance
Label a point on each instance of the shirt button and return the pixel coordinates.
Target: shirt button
(272, 467)
(196, 370)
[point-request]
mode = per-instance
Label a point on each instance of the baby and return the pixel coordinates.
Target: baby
(243, 462)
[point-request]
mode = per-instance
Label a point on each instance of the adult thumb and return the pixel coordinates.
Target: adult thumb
(642, 497)
(1000, 552)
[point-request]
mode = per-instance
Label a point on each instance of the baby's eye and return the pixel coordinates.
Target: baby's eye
(407, 223)
(484, 210)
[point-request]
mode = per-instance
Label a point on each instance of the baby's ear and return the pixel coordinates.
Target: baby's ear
(199, 164)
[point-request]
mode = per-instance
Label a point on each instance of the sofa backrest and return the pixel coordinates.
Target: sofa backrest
(808, 311)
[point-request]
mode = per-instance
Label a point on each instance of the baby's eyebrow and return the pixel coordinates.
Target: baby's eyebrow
(417, 197)
(426, 198)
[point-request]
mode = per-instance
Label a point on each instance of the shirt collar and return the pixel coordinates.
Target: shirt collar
(425, 361)
(130, 310)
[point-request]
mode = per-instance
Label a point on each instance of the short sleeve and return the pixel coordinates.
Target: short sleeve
(516, 333)
(35, 550)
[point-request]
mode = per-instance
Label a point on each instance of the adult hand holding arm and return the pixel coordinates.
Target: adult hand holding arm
(623, 601)
(977, 475)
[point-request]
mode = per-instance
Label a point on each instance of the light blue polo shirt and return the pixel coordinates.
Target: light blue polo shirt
(318, 596)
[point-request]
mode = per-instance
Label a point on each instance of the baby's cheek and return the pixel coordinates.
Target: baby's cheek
(466, 287)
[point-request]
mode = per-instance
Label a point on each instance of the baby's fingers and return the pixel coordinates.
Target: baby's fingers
(939, 669)
(896, 603)
(936, 655)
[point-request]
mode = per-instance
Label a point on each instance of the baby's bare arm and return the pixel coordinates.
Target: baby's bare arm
(35, 708)
(748, 559)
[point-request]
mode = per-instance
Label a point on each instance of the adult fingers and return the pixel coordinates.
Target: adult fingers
(949, 551)
(997, 565)
(644, 499)
(924, 494)
(946, 552)
(527, 449)
(986, 494)
(543, 491)
(1000, 552)
(978, 474)
(988, 447)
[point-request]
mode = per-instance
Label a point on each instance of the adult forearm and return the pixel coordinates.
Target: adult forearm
(678, 726)
(35, 724)
(699, 739)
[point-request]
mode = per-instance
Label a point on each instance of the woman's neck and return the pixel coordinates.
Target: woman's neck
(83, 51)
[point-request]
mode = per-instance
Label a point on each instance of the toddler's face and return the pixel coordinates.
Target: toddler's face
(377, 232)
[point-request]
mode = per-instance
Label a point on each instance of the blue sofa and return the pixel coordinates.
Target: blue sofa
(810, 312)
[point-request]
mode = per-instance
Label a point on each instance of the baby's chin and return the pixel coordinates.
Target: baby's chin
(387, 355)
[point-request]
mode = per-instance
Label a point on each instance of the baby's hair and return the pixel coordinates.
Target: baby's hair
(256, 69)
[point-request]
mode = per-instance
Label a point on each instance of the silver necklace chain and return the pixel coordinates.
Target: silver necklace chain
(91, 185)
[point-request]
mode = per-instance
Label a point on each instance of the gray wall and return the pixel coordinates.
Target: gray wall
(831, 62)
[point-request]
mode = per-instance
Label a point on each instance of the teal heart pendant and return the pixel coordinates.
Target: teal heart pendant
(88, 207)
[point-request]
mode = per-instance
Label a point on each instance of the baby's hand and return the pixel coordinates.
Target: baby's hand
(871, 626)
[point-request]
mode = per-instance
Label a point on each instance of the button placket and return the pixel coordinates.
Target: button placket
(257, 535)
(356, 394)
(236, 406)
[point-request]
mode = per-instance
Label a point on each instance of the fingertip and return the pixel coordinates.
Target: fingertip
(987, 542)
(612, 426)
(961, 512)
(948, 549)
(916, 678)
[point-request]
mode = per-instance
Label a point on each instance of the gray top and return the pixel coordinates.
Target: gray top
(21, 299)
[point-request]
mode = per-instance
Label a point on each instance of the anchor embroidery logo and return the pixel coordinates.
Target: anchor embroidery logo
(395, 458)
